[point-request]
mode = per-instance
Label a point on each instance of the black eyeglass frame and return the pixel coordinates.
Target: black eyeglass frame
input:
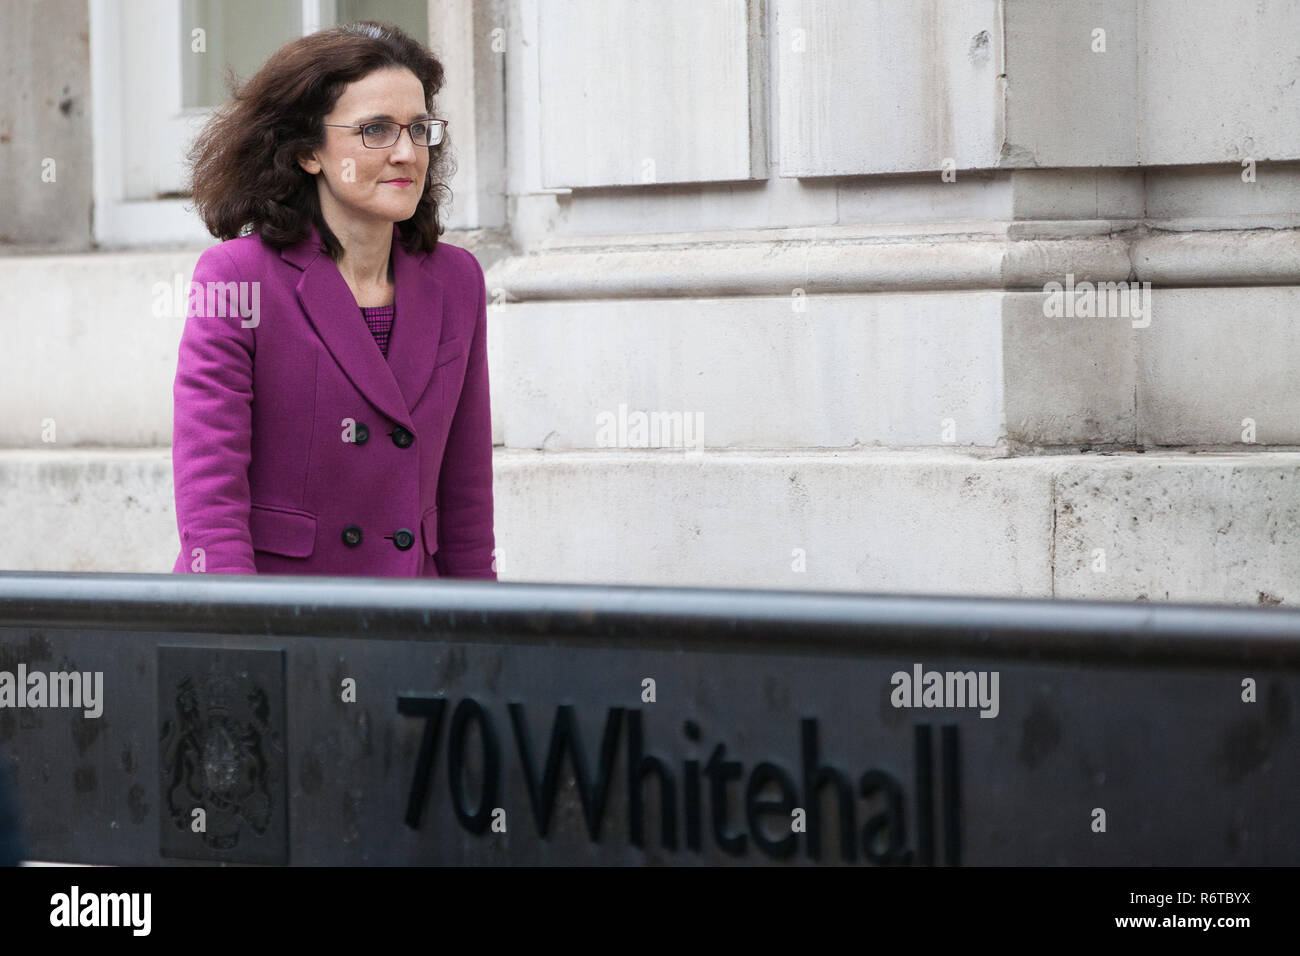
(400, 127)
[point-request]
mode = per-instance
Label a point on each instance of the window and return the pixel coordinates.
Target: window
(158, 69)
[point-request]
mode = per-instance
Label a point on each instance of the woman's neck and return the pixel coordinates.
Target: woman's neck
(366, 262)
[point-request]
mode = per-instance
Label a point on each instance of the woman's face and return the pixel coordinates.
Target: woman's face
(356, 182)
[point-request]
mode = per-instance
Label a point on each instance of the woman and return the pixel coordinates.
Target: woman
(331, 396)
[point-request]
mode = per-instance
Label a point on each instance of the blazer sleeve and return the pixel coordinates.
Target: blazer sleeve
(465, 520)
(212, 424)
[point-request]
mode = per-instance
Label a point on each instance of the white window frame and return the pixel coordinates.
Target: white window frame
(117, 29)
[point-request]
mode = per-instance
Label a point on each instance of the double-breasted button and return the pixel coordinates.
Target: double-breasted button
(401, 437)
(362, 433)
(352, 536)
(402, 539)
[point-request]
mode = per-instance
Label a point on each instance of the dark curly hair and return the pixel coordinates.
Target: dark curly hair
(244, 167)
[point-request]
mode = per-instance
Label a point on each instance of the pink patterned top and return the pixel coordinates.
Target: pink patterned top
(380, 321)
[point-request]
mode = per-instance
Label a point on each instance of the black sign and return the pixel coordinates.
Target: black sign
(276, 720)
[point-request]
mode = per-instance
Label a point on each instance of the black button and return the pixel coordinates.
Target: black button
(352, 536)
(401, 437)
(402, 539)
(362, 434)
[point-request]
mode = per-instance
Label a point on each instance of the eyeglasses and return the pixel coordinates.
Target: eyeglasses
(383, 135)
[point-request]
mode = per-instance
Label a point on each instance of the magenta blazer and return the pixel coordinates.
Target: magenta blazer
(299, 449)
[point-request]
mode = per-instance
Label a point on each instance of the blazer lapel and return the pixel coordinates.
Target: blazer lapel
(393, 386)
(417, 325)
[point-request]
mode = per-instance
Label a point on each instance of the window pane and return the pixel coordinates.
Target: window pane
(241, 33)
(411, 15)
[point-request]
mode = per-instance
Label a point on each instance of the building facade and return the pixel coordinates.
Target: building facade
(937, 296)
